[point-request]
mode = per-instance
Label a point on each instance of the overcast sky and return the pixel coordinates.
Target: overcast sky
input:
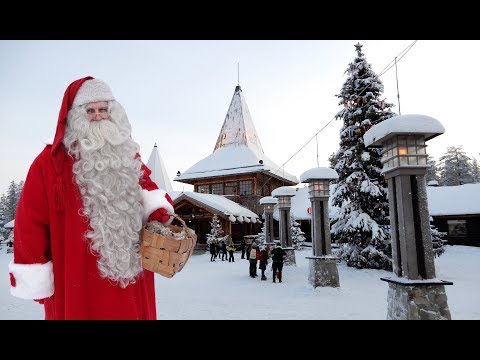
(177, 93)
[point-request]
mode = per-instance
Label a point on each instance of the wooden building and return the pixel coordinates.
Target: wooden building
(237, 170)
(456, 211)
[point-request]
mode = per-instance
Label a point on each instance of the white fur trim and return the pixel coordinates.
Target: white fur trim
(93, 90)
(153, 200)
(32, 281)
(48, 141)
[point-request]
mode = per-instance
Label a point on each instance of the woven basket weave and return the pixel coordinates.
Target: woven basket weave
(167, 255)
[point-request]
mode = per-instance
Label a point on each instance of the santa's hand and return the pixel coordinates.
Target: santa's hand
(159, 215)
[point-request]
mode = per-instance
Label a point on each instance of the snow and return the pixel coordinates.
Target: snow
(403, 124)
(318, 173)
(284, 191)
(454, 200)
(218, 204)
(222, 290)
(9, 225)
(233, 160)
(442, 200)
(238, 126)
(238, 149)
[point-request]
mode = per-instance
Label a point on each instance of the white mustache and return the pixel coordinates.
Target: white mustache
(103, 131)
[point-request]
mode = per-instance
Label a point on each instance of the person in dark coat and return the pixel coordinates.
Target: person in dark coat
(277, 261)
(223, 248)
(242, 248)
(213, 251)
(264, 261)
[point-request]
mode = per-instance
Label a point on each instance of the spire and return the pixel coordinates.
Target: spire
(238, 128)
(159, 173)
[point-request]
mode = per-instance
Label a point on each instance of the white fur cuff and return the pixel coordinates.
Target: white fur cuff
(153, 200)
(32, 281)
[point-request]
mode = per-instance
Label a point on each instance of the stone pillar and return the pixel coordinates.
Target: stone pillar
(268, 203)
(414, 292)
(323, 269)
(284, 195)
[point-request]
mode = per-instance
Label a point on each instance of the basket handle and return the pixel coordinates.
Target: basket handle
(179, 219)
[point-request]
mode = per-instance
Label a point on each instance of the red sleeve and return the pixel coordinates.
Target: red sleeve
(31, 230)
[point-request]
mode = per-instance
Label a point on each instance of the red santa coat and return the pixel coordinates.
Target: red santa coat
(51, 256)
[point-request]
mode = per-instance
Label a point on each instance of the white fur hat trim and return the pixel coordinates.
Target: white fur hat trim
(93, 90)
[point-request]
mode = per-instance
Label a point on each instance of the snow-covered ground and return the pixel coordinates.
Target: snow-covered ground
(223, 290)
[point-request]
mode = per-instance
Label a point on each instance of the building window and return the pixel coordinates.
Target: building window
(203, 189)
(231, 188)
(457, 228)
(217, 189)
(246, 188)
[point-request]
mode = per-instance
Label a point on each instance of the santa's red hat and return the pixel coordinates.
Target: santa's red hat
(79, 92)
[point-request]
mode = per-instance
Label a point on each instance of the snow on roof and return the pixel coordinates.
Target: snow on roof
(318, 173)
(159, 173)
(454, 200)
(238, 126)
(442, 200)
(238, 149)
(9, 225)
(217, 204)
(284, 191)
(268, 200)
(235, 159)
(403, 124)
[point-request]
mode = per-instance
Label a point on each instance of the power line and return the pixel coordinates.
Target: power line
(385, 69)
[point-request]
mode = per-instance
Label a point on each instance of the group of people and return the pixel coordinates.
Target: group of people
(256, 256)
(261, 255)
(216, 248)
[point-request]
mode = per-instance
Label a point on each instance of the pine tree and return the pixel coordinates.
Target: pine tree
(432, 171)
(437, 239)
(361, 191)
(298, 236)
(11, 200)
(332, 159)
(3, 219)
(475, 171)
(261, 236)
(455, 167)
(216, 231)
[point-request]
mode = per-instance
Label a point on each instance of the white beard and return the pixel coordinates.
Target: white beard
(107, 174)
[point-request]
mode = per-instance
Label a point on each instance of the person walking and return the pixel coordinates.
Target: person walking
(264, 251)
(278, 255)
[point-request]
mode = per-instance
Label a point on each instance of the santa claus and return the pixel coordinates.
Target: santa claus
(84, 202)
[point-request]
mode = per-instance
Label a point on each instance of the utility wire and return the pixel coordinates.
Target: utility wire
(385, 69)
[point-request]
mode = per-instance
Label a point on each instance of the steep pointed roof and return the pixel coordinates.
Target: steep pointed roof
(238, 149)
(159, 173)
(238, 128)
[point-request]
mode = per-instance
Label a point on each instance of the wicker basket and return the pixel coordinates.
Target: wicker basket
(167, 255)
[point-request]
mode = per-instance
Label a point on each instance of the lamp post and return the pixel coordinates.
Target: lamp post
(323, 266)
(284, 195)
(414, 292)
(268, 203)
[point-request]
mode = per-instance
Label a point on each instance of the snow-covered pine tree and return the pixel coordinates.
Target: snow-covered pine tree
(438, 243)
(361, 191)
(432, 171)
(455, 168)
(13, 195)
(475, 171)
(216, 231)
(261, 235)
(298, 236)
